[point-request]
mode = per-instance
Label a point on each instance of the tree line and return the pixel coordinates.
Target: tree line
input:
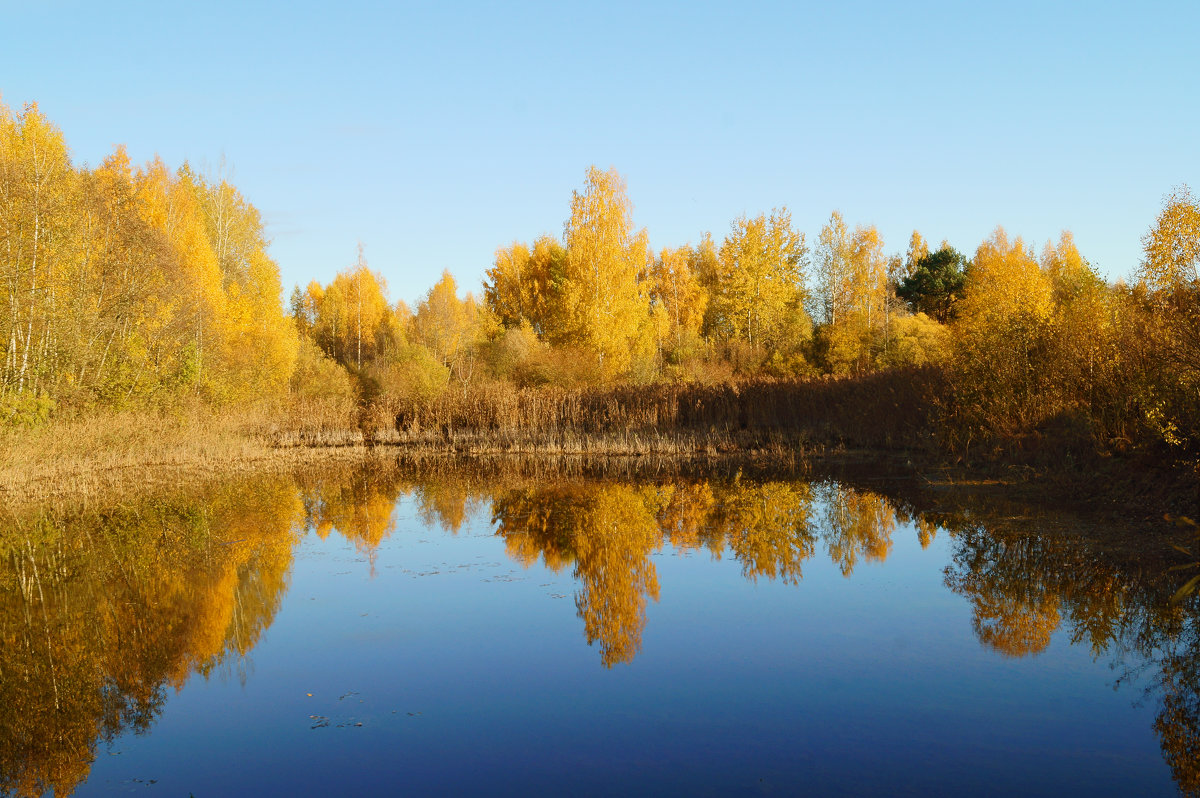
(124, 284)
(130, 285)
(1019, 346)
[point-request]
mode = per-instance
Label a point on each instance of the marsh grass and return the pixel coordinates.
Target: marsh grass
(887, 410)
(783, 423)
(93, 453)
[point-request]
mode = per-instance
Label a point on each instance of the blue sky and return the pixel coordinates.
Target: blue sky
(435, 132)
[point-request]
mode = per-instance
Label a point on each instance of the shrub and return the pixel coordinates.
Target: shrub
(25, 411)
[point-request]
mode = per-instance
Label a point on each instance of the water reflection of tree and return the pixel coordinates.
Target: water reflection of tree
(103, 611)
(608, 532)
(1024, 586)
(767, 526)
(359, 504)
(1013, 616)
(1178, 721)
(447, 502)
(683, 513)
(856, 524)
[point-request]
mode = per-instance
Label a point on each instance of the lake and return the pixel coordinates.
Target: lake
(523, 630)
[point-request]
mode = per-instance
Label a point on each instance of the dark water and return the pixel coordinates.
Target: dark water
(373, 631)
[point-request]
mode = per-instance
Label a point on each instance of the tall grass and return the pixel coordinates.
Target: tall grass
(89, 453)
(884, 410)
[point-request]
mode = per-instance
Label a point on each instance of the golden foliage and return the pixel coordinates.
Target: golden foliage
(759, 282)
(522, 285)
(451, 329)
(918, 248)
(915, 340)
(852, 294)
(1172, 246)
(131, 286)
(605, 298)
(677, 290)
(350, 319)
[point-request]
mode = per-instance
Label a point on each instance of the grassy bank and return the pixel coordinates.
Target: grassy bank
(887, 415)
(94, 453)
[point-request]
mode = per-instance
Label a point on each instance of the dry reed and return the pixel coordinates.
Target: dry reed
(888, 410)
(759, 419)
(94, 453)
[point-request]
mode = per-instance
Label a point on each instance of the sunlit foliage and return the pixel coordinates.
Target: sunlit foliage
(1172, 247)
(854, 296)
(450, 328)
(129, 285)
(760, 280)
(605, 295)
(523, 285)
(350, 319)
(679, 298)
(126, 286)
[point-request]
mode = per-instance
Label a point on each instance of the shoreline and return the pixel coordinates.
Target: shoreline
(1130, 491)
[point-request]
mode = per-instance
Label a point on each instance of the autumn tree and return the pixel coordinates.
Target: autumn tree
(853, 294)
(522, 285)
(169, 205)
(1083, 357)
(260, 341)
(832, 266)
(305, 307)
(869, 291)
(449, 327)
(1172, 246)
(37, 194)
(677, 291)
(760, 278)
(1001, 332)
(1170, 321)
(262, 344)
(135, 330)
(605, 297)
(918, 249)
(1169, 270)
(350, 319)
(129, 285)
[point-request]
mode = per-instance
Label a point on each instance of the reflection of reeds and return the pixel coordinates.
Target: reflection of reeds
(1189, 586)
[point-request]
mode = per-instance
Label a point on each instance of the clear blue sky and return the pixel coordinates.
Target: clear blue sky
(434, 132)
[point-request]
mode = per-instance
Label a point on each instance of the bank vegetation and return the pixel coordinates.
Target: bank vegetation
(142, 322)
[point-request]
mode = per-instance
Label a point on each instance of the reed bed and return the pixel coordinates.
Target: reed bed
(890, 410)
(90, 454)
(767, 420)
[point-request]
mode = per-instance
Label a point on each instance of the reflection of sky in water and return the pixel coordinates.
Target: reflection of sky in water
(470, 673)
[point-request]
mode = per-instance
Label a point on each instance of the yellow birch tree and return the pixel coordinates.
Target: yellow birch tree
(605, 304)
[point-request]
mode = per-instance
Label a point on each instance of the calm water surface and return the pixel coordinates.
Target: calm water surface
(369, 630)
